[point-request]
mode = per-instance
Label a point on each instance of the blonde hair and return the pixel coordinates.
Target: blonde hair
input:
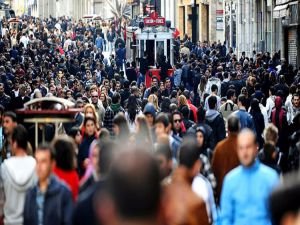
(271, 133)
(182, 100)
(154, 100)
(95, 114)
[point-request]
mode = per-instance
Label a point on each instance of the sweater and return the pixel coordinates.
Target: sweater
(245, 193)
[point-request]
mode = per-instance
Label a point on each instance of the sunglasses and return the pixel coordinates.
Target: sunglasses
(177, 121)
(95, 96)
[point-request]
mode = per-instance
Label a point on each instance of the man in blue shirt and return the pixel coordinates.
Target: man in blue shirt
(246, 120)
(246, 189)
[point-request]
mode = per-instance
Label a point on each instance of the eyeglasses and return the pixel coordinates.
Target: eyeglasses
(177, 121)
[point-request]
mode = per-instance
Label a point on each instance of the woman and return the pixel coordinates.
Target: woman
(202, 87)
(182, 102)
(90, 176)
(244, 91)
(65, 167)
(154, 100)
(120, 128)
(90, 134)
(75, 134)
(143, 135)
(103, 99)
(258, 119)
(132, 111)
(89, 110)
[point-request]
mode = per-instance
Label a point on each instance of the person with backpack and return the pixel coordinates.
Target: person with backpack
(215, 120)
(229, 106)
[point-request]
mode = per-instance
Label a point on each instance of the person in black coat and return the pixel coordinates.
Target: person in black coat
(130, 73)
(50, 201)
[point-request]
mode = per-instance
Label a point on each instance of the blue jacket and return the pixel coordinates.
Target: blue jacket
(245, 193)
(58, 205)
(246, 120)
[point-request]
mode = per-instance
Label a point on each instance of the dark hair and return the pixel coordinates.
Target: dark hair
(162, 118)
(201, 114)
(189, 153)
(230, 93)
(212, 101)
(242, 99)
(47, 147)
(121, 122)
(233, 124)
(255, 105)
(88, 118)
(283, 199)
(116, 98)
(64, 149)
(107, 149)
(214, 88)
(163, 149)
(185, 112)
(73, 132)
(132, 108)
(11, 115)
(134, 184)
(20, 135)
(104, 134)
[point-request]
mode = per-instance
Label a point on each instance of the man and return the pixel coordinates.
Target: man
(4, 98)
(176, 124)
(215, 120)
(150, 113)
(284, 209)
(9, 124)
(133, 191)
(162, 129)
(84, 212)
(120, 56)
(21, 99)
(98, 105)
(49, 201)
(163, 155)
(214, 92)
(225, 154)
(16, 178)
(179, 203)
(246, 188)
(246, 120)
(112, 110)
(294, 109)
(154, 83)
(229, 106)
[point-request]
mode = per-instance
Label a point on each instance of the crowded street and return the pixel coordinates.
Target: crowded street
(141, 120)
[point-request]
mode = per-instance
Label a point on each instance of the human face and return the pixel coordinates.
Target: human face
(8, 125)
(168, 83)
(154, 82)
(78, 138)
(200, 139)
(149, 119)
(118, 87)
(247, 148)
(177, 122)
(94, 97)
(165, 166)
(160, 129)
(102, 97)
(89, 112)
(44, 164)
(90, 128)
(296, 101)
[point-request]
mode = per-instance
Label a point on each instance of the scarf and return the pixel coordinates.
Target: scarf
(115, 107)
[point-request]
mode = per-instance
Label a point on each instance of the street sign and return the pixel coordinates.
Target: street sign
(154, 20)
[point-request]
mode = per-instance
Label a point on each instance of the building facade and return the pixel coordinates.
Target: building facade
(263, 26)
(202, 20)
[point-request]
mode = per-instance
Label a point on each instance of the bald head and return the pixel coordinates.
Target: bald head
(247, 147)
(134, 184)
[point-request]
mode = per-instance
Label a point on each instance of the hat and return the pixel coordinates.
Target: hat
(150, 109)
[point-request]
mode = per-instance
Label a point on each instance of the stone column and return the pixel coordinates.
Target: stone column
(212, 20)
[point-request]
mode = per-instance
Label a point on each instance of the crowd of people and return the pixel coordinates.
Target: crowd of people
(206, 145)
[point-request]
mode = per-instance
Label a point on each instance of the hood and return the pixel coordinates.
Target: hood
(211, 114)
(150, 109)
(278, 102)
(20, 171)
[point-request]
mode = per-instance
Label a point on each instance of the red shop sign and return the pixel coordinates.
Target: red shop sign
(154, 20)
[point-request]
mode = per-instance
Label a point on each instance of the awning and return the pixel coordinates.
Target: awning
(280, 11)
